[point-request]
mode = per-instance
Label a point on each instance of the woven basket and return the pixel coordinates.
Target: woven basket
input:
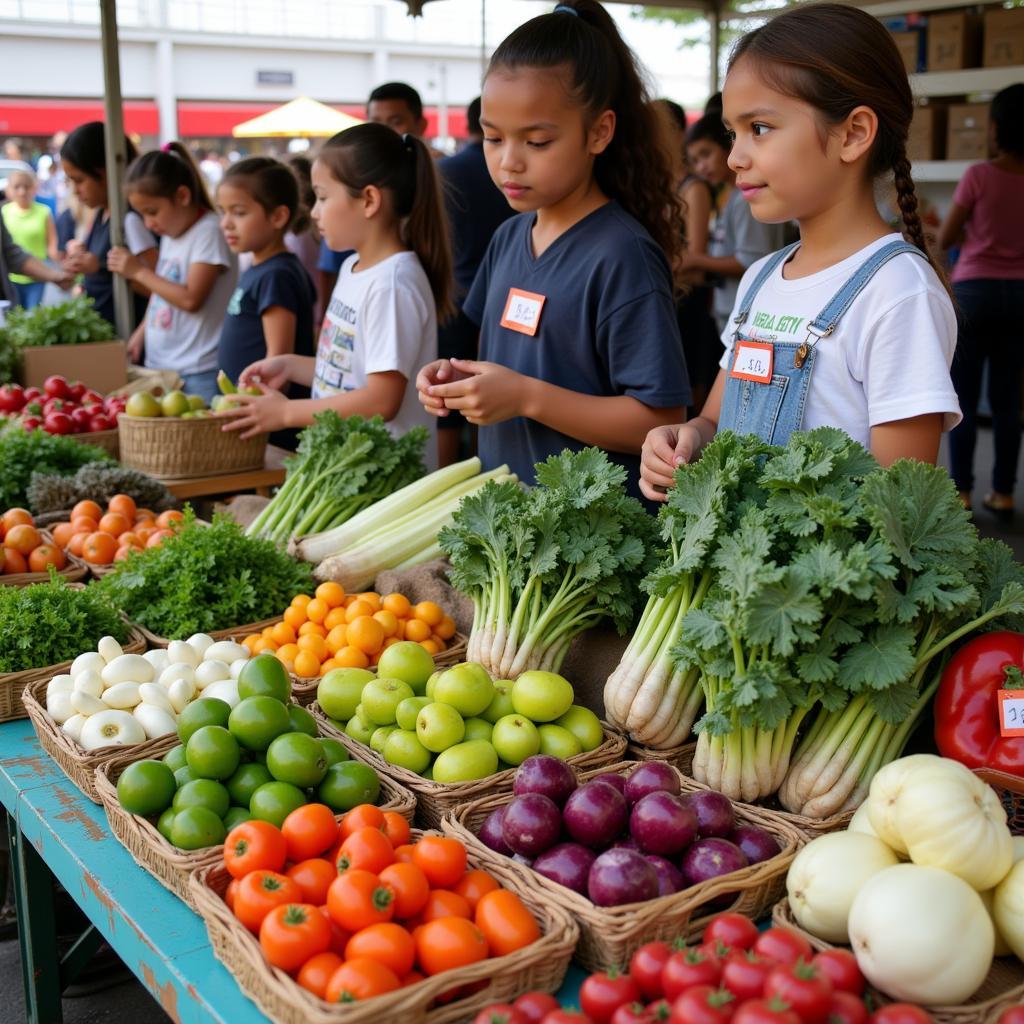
(436, 799)
(74, 571)
(540, 966)
(177, 449)
(610, 935)
(217, 634)
(1004, 986)
(13, 684)
(1011, 794)
(108, 440)
(682, 758)
(170, 866)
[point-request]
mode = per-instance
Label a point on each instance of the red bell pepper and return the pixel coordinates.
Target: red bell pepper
(966, 704)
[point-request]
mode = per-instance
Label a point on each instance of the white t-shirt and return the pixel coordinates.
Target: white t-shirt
(889, 357)
(175, 339)
(378, 320)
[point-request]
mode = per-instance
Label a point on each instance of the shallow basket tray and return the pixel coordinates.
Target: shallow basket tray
(170, 866)
(682, 759)
(73, 572)
(1002, 988)
(108, 440)
(610, 935)
(171, 448)
(435, 799)
(540, 966)
(218, 634)
(1010, 789)
(13, 684)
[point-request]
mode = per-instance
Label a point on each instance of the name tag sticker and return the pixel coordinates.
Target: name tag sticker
(522, 311)
(753, 361)
(1011, 712)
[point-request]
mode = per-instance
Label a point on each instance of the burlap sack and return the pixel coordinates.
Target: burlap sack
(243, 508)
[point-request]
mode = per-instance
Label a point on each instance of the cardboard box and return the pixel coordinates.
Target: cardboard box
(967, 138)
(954, 41)
(100, 365)
(1004, 37)
(927, 138)
(912, 49)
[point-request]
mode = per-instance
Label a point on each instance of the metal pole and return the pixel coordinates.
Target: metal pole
(116, 157)
(715, 20)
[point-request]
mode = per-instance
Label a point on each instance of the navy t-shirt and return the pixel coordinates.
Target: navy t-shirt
(608, 327)
(282, 281)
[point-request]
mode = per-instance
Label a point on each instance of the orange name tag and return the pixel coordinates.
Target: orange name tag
(1011, 712)
(522, 311)
(753, 361)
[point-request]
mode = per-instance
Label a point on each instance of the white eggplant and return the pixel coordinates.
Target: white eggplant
(210, 672)
(109, 649)
(111, 728)
(88, 660)
(180, 652)
(123, 696)
(226, 651)
(155, 721)
(127, 669)
(86, 704)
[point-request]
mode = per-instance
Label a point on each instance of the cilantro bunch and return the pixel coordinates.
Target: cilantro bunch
(24, 452)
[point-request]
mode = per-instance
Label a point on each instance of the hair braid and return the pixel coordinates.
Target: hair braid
(906, 200)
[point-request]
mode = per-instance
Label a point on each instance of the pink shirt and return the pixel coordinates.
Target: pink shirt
(994, 235)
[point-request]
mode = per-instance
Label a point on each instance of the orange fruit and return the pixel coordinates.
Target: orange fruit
(388, 621)
(366, 633)
(99, 548)
(351, 657)
(85, 524)
(267, 632)
(429, 612)
(144, 533)
(445, 629)
(283, 633)
(77, 542)
(250, 641)
(125, 505)
(307, 664)
(22, 538)
(263, 644)
(326, 667)
(312, 628)
(156, 539)
(337, 638)
(128, 539)
(12, 562)
(398, 604)
(288, 662)
(399, 633)
(332, 594)
(316, 610)
(62, 533)
(335, 617)
(315, 644)
(388, 642)
(17, 517)
(417, 630)
(123, 552)
(301, 600)
(145, 513)
(44, 555)
(89, 509)
(295, 617)
(372, 598)
(288, 651)
(115, 524)
(431, 646)
(165, 519)
(356, 609)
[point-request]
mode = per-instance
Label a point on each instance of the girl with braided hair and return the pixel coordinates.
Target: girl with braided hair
(853, 325)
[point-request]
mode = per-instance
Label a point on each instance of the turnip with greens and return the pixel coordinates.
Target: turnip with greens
(621, 876)
(567, 864)
(595, 814)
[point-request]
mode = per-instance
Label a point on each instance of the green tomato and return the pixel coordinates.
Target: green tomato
(501, 705)
(204, 711)
(235, 816)
(175, 757)
(467, 688)
(298, 759)
(146, 787)
(334, 751)
(302, 720)
(212, 753)
(196, 828)
(466, 762)
(584, 725)
(406, 712)
(515, 738)
(340, 691)
(360, 730)
(379, 737)
(274, 801)
(265, 676)
(257, 721)
(203, 793)
(348, 784)
(541, 696)
(478, 729)
(165, 823)
(409, 662)
(246, 781)
(381, 699)
(439, 726)
(404, 749)
(183, 776)
(558, 742)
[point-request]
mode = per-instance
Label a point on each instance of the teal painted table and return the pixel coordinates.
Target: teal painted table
(56, 832)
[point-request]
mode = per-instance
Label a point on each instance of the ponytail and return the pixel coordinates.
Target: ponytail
(161, 172)
(373, 154)
(85, 147)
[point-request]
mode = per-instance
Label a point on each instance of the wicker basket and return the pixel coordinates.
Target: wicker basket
(74, 571)
(436, 799)
(1011, 793)
(540, 966)
(170, 866)
(178, 449)
(13, 684)
(610, 935)
(218, 634)
(682, 758)
(1004, 986)
(108, 440)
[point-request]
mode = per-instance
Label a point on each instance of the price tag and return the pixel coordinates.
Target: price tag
(1011, 712)
(753, 361)
(522, 311)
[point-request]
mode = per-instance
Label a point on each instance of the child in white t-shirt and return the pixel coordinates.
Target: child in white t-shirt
(853, 327)
(196, 271)
(378, 193)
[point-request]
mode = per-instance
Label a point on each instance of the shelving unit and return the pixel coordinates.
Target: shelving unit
(961, 83)
(940, 170)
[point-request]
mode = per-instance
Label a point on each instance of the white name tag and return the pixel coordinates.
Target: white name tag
(522, 311)
(753, 361)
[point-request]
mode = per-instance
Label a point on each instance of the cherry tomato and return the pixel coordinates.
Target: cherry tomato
(803, 987)
(846, 1008)
(602, 994)
(259, 892)
(646, 965)
(566, 1017)
(499, 1013)
(534, 1006)
(783, 945)
(474, 885)
(444, 903)
(396, 828)
(316, 972)
(840, 967)
(361, 978)
(291, 934)
(703, 1004)
(764, 1011)
(339, 937)
(631, 1013)
(683, 970)
(732, 930)
(745, 973)
(366, 849)
(230, 893)
(362, 816)
(901, 1013)
(1012, 1015)
(253, 845)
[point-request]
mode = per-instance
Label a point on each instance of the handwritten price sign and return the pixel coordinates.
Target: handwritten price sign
(1011, 712)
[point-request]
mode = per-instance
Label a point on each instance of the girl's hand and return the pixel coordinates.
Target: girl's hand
(256, 414)
(440, 371)
(81, 262)
(75, 247)
(665, 449)
(484, 393)
(137, 343)
(121, 261)
(274, 371)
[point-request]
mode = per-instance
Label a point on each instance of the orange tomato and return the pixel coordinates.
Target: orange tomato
(442, 859)
(315, 644)
(85, 524)
(388, 943)
(474, 885)
(294, 617)
(506, 922)
(13, 562)
(360, 978)
(259, 892)
(445, 903)
(431, 646)
(362, 816)
(62, 533)
(309, 831)
(335, 617)
(125, 505)
(396, 828)
(327, 666)
(339, 937)
(22, 538)
(144, 523)
(292, 934)
(403, 854)
(145, 513)
(129, 539)
(316, 610)
(337, 638)
(429, 612)
(144, 533)
(99, 548)
(254, 845)
(410, 887)
(445, 629)
(263, 644)
(282, 633)
(165, 519)
(44, 555)
(90, 509)
(156, 539)
(366, 633)
(301, 600)
(388, 622)
(316, 972)
(77, 543)
(398, 605)
(352, 657)
(417, 630)
(312, 627)
(306, 664)
(372, 598)
(447, 943)
(115, 524)
(366, 849)
(358, 899)
(356, 609)
(123, 552)
(332, 594)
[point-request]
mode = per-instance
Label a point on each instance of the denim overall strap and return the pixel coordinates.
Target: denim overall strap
(763, 274)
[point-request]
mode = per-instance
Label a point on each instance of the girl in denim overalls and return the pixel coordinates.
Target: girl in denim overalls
(852, 326)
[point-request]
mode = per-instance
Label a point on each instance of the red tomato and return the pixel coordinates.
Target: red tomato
(565, 1017)
(763, 1011)
(804, 988)
(717, 951)
(632, 1013)
(1012, 1015)
(292, 933)
(534, 1006)
(602, 994)
(901, 1013)
(499, 1013)
(847, 1008)
(783, 946)
(313, 877)
(659, 1012)
(745, 973)
(840, 967)
(683, 970)
(703, 1004)
(732, 930)
(646, 965)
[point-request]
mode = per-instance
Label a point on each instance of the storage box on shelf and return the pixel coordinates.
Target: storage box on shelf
(1004, 37)
(927, 138)
(954, 41)
(967, 134)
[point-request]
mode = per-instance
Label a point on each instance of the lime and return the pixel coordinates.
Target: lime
(347, 784)
(203, 793)
(195, 828)
(265, 676)
(146, 787)
(334, 751)
(246, 781)
(165, 823)
(205, 711)
(256, 721)
(302, 720)
(339, 692)
(298, 759)
(235, 816)
(183, 775)
(212, 753)
(274, 801)
(175, 757)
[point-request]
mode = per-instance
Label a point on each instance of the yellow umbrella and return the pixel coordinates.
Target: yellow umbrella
(301, 118)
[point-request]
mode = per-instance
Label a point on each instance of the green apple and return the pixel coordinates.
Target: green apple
(439, 726)
(558, 742)
(142, 403)
(175, 403)
(515, 738)
(409, 662)
(340, 691)
(541, 696)
(467, 688)
(466, 762)
(196, 402)
(360, 730)
(403, 749)
(406, 712)
(381, 698)
(478, 729)
(379, 737)
(584, 725)
(428, 690)
(501, 704)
